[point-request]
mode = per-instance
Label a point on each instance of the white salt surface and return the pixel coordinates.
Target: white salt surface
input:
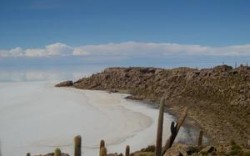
(36, 117)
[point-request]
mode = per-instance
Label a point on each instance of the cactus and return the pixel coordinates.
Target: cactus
(200, 138)
(58, 152)
(78, 142)
(102, 144)
(127, 152)
(174, 130)
(159, 128)
(103, 151)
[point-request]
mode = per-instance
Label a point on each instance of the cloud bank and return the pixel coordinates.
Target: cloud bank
(59, 49)
(127, 49)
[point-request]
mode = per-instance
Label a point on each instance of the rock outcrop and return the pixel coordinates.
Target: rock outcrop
(64, 84)
(53, 154)
(218, 98)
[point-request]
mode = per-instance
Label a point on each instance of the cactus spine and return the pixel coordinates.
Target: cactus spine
(78, 142)
(159, 128)
(127, 152)
(58, 152)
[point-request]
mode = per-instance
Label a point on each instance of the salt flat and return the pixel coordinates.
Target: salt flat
(36, 117)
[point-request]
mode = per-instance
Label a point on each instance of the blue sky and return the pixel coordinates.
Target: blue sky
(109, 31)
(36, 23)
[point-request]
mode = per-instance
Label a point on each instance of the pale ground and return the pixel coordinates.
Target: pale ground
(36, 117)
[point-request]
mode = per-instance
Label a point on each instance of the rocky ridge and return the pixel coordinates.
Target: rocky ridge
(218, 98)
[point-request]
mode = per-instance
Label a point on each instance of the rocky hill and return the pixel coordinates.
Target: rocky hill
(218, 98)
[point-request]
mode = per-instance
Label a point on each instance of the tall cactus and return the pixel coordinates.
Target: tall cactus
(78, 142)
(159, 128)
(58, 152)
(102, 145)
(127, 152)
(103, 151)
(200, 138)
(174, 130)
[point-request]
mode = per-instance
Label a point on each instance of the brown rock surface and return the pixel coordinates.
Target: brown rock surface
(218, 98)
(64, 84)
(52, 154)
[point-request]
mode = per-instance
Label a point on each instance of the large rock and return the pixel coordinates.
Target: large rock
(64, 84)
(177, 150)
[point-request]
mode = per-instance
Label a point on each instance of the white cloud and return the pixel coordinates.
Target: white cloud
(59, 49)
(16, 52)
(127, 49)
(35, 52)
(140, 48)
(56, 49)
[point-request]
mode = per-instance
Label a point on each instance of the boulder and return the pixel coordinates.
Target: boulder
(209, 150)
(177, 150)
